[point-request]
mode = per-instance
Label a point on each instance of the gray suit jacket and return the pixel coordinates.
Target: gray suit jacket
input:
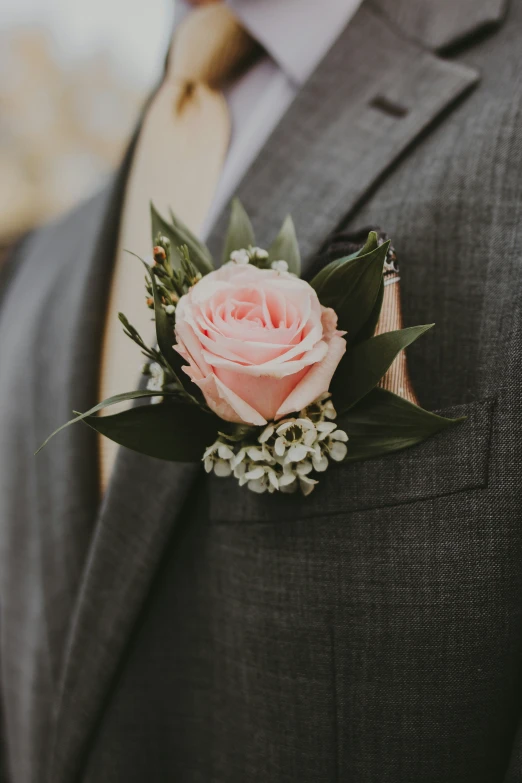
(188, 630)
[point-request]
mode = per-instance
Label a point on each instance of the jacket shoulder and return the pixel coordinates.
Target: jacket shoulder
(55, 240)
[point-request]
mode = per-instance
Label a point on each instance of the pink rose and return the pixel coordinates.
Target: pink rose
(258, 342)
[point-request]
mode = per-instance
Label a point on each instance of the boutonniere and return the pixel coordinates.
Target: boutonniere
(258, 373)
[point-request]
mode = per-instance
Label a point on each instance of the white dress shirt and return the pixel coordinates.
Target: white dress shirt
(296, 34)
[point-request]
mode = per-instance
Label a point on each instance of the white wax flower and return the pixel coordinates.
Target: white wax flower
(285, 452)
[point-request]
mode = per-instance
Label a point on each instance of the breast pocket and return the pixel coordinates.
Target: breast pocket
(453, 461)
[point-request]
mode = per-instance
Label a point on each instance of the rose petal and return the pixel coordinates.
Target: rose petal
(264, 395)
(214, 400)
(242, 409)
(329, 322)
(190, 343)
(253, 339)
(278, 368)
(316, 381)
(226, 404)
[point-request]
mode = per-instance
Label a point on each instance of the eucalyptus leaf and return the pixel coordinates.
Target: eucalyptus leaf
(240, 232)
(114, 400)
(382, 423)
(363, 366)
(177, 432)
(178, 234)
(352, 289)
(286, 248)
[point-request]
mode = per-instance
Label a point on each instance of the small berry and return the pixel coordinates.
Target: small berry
(159, 254)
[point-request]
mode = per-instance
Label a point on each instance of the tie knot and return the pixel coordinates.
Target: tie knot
(210, 46)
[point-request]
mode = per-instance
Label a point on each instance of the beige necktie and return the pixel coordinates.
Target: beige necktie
(178, 159)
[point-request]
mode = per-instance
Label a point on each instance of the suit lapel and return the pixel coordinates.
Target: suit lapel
(375, 92)
(366, 103)
(75, 276)
(445, 23)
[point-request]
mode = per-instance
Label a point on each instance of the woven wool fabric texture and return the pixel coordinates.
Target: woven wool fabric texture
(189, 630)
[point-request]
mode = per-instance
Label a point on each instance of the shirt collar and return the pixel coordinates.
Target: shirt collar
(297, 34)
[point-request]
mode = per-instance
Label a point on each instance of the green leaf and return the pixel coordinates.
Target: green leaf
(321, 277)
(285, 247)
(133, 395)
(363, 366)
(199, 252)
(372, 243)
(352, 289)
(179, 234)
(240, 232)
(370, 326)
(382, 423)
(177, 432)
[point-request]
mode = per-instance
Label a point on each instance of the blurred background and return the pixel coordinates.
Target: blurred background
(73, 76)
